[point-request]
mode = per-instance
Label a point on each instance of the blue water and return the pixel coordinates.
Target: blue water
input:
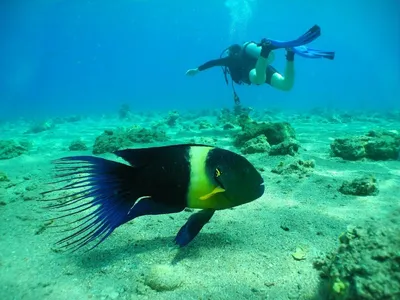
(77, 56)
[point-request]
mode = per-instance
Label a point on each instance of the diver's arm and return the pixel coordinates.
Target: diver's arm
(221, 62)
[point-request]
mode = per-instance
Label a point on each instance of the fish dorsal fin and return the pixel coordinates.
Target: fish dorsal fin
(144, 156)
(138, 157)
(217, 190)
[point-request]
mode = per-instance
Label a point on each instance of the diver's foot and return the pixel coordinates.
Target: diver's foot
(289, 54)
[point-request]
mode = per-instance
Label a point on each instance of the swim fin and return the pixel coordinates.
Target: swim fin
(313, 53)
(313, 33)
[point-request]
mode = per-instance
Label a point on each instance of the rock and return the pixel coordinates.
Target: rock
(31, 195)
(300, 253)
(287, 147)
(228, 126)
(40, 127)
(383, 145)
(204, 125)
(256, 145)
(31, 187)
(173, 116)
(162, 278)
(239, 115)
(295, 167)
(375, 145)
(77, 145)
(349, 148)
(366, 264)
(226, 116)
(3, 177)
(112, 140)
(364, 186)
(125, 112)
(274, 132)
(138, 135)
(204, 141)
(11, 149)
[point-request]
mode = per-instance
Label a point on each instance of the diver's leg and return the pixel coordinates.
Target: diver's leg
(252, 49)
(285, 82)
(258, 74)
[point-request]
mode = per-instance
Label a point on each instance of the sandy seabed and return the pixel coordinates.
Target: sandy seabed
(243, 253)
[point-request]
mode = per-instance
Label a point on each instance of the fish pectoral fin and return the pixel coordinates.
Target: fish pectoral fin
(217, 190)
(193, 226)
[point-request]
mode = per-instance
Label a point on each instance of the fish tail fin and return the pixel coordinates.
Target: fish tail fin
(98, 191)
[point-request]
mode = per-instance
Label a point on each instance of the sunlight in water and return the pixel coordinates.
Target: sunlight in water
(241, 12)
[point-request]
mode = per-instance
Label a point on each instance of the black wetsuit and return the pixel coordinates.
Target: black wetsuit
(239, 67)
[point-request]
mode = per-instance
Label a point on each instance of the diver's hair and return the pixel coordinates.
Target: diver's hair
(234, 50)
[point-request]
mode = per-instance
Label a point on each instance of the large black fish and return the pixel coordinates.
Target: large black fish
(158, 180)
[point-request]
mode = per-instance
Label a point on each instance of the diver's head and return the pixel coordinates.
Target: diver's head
(239, 179)
(234, 50)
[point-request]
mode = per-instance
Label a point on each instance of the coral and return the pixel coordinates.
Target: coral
(77, 145)
(366, 265)
(364, 186)
(10, 149)
(375, 145)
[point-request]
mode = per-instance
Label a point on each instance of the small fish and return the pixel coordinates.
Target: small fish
(158, 180)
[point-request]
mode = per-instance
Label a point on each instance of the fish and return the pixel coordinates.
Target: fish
(105, 194)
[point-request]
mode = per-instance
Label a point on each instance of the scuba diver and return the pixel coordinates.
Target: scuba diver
(250, 63)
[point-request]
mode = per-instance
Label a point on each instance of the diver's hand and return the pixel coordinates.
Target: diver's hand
(192, 72)
(266, 48)
(265, 43)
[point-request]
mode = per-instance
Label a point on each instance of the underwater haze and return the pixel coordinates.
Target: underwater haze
(75, 56)
(118, 130)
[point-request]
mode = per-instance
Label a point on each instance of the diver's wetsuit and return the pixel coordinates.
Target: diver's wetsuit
(239, 67)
